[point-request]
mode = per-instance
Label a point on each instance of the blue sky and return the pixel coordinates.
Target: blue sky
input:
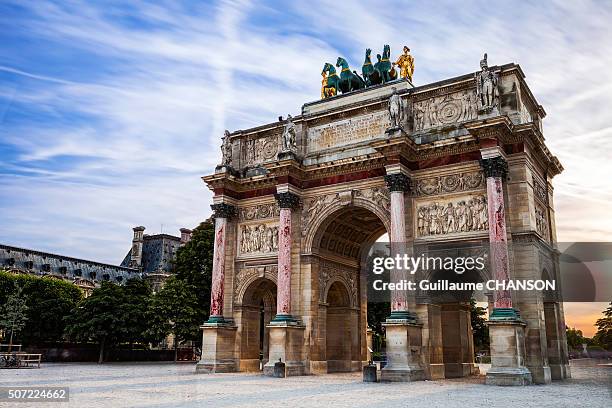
(110, 113)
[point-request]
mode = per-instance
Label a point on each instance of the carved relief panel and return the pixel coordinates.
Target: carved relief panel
(541, 220)
(259, 150)
(452, 216)
(445, 110)
(257, 238)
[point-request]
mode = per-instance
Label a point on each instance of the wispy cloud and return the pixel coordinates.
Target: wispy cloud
(109, 113)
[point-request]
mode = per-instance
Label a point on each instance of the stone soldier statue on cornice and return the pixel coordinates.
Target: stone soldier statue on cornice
(396, 110)
(486, 87)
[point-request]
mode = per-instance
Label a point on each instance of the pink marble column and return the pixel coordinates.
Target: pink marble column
(283, 306)
(222, 212)
(287, 201)
(496, 169)
(398, 184)
(397, 237)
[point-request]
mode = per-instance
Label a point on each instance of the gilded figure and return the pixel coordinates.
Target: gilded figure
(406, 64)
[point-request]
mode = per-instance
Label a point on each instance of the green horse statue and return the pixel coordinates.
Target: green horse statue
(349, 81)
(330, 81)
(384, 68)
(367, 70)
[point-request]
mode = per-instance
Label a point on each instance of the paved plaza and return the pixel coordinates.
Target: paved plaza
(176, 385)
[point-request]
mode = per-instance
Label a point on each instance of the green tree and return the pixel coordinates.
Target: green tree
(479, 326)
(48, 300)
(603, 337)
(100, 318)
(575, 339)
(135, 310)
(13, 314)
(193, 265)
(174, 309)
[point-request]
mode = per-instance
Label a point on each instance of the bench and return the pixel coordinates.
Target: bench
(20, 360)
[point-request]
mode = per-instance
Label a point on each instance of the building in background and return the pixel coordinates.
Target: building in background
(153, 255)
(151, 258)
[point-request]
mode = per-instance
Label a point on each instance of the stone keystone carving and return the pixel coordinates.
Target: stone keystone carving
(287, 200)
(495, 167)
(223, 210)
(397, 182)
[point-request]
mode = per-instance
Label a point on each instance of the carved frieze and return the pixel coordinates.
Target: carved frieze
(259, 212)
(452, 216)
(449, 184)
(330, 272)
(258, 238)
(445, 110)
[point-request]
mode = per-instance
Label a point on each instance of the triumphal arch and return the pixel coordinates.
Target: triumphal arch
(297, 202)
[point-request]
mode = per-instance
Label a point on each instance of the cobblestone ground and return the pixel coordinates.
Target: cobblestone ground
(170, 385)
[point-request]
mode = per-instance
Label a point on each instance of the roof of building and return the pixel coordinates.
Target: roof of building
(158, 252)
(61, 266)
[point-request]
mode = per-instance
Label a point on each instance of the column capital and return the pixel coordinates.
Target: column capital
(287, 199)
(495, 167)
(398, 182)
(223, 210)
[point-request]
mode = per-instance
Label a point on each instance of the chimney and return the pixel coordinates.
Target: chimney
(185, 235)
(137, 241)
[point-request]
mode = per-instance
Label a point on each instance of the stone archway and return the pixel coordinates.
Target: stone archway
(340, 241)
(258, 305)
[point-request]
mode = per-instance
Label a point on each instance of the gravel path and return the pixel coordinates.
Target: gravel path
(170, 385)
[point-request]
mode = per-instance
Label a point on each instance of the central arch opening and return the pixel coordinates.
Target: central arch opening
(340, 246)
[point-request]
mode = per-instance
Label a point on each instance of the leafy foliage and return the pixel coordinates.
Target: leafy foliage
(575, 339)
(100, 317)
(479, 326)
(603, 337)
(135, 311)
(193, 265)
(174, 309)
(13, 313)
(47, 299)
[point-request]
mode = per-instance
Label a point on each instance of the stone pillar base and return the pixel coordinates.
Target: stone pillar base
(286, 345)
(560, 371)
(403, 352)
(507, 353)
(217, 348)
(508, 376)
